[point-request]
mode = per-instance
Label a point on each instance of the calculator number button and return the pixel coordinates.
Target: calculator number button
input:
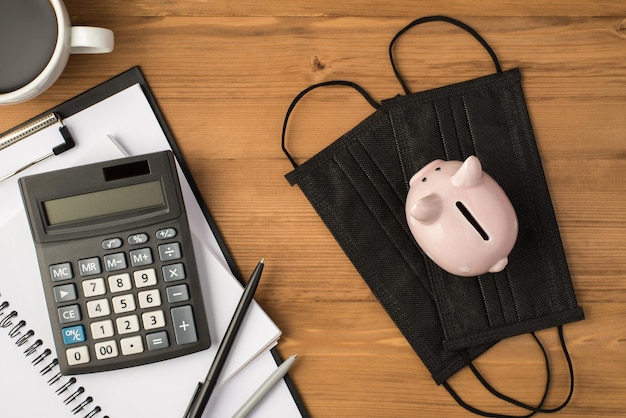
(153, 319)
(127, 324)
(94, 287)
(106, 349)
(69, 314)
(119, 282)
(111, 243)
(61, 271)
(145, 278)
(173, 272)
(141, 257)
(65, 293)
(124, 303)
(131, 345)
(149, 298)
(98, 308)
(102, 329)
(169, 252)
(157, 340)
(73, 335)
(77, 355)
(89, 266)
(113, 262)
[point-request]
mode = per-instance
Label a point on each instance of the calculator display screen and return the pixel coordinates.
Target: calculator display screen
(104, 202)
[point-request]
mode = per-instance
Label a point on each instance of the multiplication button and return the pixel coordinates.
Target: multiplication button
(173, 272)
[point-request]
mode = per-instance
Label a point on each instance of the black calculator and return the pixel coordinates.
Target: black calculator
(117, 263)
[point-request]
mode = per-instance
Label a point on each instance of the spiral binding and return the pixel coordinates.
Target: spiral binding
(72, 396)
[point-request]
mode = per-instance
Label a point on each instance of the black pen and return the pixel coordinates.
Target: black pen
(205, 389)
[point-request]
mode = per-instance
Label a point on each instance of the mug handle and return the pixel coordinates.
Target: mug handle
(91, 40)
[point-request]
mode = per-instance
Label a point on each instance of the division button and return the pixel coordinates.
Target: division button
(169, 252)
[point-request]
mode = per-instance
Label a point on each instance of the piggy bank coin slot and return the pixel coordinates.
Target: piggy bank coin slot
(470, 218)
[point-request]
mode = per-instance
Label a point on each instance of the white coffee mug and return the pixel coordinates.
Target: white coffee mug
(36, 39)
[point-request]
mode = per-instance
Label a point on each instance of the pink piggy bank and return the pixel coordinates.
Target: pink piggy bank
(461, 217)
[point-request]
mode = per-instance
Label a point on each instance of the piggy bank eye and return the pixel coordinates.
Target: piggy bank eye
(438, 169)
(425, 179)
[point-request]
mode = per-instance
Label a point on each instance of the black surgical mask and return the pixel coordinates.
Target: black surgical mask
(358, 186)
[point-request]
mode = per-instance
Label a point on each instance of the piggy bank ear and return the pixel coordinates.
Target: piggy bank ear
(427, 209)
(470, 174)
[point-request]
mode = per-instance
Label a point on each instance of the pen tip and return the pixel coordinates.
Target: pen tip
(262, 261)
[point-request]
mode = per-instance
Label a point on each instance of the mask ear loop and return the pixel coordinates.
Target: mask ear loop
(515, 402)
(295, 101)
(447, 19)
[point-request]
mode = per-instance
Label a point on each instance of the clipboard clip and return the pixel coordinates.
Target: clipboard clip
(29, 129)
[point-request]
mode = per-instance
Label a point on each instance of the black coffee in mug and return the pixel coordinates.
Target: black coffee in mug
(28, 36)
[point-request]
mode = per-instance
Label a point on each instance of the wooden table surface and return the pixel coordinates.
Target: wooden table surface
(224, 73)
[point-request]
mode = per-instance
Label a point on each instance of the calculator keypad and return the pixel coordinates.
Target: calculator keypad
(128, 299)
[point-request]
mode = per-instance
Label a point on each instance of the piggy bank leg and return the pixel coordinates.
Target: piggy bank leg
(499, 266)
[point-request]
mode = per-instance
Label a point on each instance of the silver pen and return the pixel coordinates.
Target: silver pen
(265, 387)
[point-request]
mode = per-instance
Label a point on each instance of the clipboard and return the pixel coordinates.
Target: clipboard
(97, 94)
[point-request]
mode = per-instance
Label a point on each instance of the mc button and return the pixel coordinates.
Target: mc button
(61, 271)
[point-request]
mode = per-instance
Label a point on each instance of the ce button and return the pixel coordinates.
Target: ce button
(69, 314)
